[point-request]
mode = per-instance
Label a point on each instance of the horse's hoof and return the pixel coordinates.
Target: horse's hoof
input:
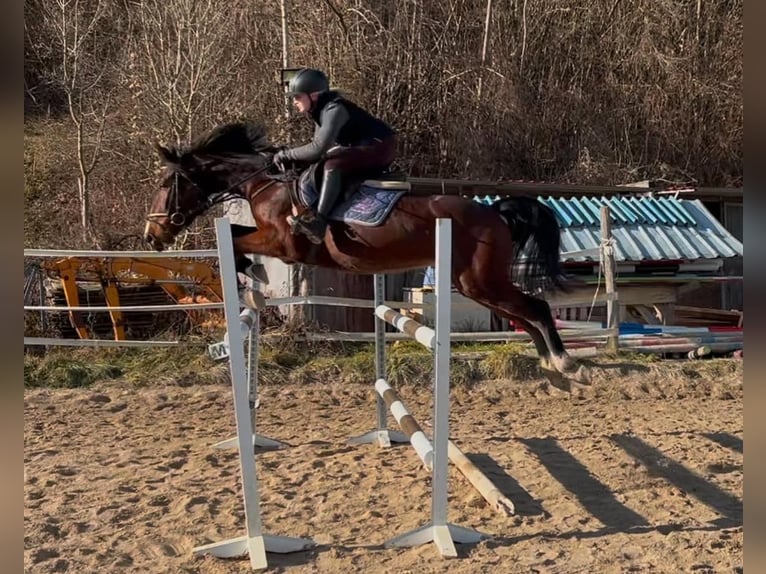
(582, 376)
(546, 364)
(257, 272)
(555, 379)
(564, 363)
(254, 299)
(559, 381)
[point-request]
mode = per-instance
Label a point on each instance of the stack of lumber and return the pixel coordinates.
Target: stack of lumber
(701, 316)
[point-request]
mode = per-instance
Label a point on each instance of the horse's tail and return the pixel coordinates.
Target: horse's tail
(535, 234)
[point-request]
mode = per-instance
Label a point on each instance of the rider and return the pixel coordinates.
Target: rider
(364, 144)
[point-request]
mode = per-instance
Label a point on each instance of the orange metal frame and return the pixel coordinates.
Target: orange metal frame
(115, 271)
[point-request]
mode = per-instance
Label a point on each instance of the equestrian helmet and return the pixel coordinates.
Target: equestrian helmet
(307, 81)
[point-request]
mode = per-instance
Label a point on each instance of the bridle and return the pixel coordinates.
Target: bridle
(204, 201)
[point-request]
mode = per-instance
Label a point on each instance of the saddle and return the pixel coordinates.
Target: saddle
(306, 184)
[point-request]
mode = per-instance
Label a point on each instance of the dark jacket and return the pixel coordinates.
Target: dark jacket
(338, 122)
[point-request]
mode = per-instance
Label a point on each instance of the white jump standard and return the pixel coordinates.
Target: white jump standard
(382, 435)
(255, 543)
(438, 530)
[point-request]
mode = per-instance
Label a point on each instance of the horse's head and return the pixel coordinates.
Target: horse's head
(210, 171)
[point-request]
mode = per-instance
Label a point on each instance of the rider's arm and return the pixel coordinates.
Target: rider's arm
(334, 116)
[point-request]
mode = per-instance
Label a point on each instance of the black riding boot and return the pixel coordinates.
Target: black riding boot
(328, 196)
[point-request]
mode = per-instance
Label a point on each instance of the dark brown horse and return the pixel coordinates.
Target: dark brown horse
(234, 160)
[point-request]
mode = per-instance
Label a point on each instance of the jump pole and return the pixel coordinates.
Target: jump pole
(255, 544)
(423, 447)
(415, 435)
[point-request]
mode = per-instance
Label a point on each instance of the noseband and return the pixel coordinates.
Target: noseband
(177, 217)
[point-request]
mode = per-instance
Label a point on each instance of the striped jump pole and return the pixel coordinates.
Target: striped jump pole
(496, 499)
(422, 334)
(422, 446)
(254, 544)
(416, 437)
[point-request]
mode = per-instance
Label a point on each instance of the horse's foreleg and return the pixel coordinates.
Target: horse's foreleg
(241, 262)
(249, 240)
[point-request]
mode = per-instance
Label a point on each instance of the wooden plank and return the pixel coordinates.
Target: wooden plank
(706, 312)
(629, 295)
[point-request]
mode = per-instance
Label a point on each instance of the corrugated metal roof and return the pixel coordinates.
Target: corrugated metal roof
(644, 228)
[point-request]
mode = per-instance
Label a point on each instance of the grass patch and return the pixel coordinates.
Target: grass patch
(634, 357)
(283, 358)
(465, 373)
(509, 361)
(83, 367)
(68, 371)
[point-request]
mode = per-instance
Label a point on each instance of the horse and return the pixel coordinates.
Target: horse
(234, 161)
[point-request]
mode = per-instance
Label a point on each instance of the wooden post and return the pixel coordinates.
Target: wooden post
(609, 268)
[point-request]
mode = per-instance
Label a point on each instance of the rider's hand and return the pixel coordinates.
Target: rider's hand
(280, 160)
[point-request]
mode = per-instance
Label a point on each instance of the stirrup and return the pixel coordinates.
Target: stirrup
(294, 220)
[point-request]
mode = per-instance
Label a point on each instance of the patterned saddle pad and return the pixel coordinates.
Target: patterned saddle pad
(369, 205)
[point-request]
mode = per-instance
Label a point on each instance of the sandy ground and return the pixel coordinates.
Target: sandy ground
(643, 474)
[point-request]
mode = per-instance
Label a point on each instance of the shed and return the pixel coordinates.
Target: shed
(668, 251)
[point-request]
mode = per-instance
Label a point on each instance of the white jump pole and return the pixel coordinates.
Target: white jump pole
(255, 543)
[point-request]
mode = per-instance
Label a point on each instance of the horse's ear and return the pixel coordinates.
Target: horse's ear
(167, 155)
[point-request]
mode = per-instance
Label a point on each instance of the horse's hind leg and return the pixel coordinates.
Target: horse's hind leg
(533, 315)
(538, 314)
(541, 346)
(551, 373)
(537, 337)
(493, 302)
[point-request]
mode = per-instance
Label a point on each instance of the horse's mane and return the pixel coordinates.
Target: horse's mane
(232, 139)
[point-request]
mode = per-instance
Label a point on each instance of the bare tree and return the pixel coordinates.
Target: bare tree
(72, 28)
(187, 64)
(596, 91)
